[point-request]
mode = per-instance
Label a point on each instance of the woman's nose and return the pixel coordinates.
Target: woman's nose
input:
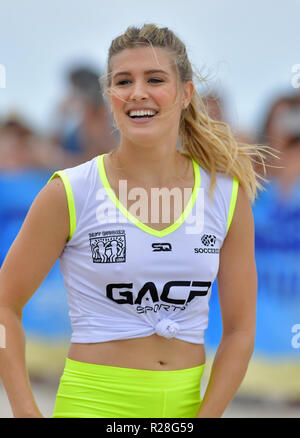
(139, 91)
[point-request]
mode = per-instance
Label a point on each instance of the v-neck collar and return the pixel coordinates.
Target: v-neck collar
(137, 222)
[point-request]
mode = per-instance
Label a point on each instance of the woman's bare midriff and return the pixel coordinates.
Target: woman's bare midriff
(149, 353)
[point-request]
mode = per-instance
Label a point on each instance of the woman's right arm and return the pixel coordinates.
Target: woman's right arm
(33, 253)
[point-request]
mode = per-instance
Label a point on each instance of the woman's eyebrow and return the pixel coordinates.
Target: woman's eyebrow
(122, 73)
(157, 71)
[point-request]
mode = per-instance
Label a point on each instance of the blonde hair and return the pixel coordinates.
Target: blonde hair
(209, 142)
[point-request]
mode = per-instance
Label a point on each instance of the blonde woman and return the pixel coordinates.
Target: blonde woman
(139, 308)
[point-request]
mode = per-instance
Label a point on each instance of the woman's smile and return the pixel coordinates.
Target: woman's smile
(143, 115)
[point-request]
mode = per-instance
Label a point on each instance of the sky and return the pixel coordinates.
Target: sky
(245, 48)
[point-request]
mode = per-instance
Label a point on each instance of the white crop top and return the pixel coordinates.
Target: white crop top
(125, 279)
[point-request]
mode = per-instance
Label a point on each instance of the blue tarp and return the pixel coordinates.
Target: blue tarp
(46, 314)
(277, 253)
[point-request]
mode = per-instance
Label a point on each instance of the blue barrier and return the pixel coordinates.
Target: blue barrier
(277, 230)
(45, 316)
(277, 253)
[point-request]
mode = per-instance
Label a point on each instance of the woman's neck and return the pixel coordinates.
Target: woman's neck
(148, 166)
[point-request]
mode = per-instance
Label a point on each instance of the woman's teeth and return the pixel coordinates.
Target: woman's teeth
(142, 113)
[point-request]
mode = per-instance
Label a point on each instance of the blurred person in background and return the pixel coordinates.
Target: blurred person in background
(215, 107)
(22, 148)
(277, 252)
(16, 146)
(280, 125)
(289, 124)
(84, 125)
(289, 177)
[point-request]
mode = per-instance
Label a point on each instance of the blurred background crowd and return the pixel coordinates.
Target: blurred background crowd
(83, 128)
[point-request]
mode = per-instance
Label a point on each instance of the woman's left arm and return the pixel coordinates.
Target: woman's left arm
(237, 288)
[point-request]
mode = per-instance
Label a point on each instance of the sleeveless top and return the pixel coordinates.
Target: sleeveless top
(125, 279)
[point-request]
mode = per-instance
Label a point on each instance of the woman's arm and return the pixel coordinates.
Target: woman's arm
(237, 287)
(32, 255)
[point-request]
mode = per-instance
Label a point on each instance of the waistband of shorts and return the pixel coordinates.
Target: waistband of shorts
(97, 371)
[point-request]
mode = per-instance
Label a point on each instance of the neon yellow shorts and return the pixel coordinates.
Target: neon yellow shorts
(88, 390)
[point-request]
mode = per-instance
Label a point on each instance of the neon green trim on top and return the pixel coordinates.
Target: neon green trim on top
(70, 199)
(137, 222)
(234, 193)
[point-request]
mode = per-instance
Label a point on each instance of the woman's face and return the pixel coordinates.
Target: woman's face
(146, 98)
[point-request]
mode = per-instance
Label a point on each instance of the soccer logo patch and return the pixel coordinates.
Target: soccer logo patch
(108, 246)
(208, 239)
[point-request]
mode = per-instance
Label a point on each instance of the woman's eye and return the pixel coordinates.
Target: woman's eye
(156, 80)
(128, 81)
(123, 82)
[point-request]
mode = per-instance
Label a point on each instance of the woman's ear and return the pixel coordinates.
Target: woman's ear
(188, 90)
